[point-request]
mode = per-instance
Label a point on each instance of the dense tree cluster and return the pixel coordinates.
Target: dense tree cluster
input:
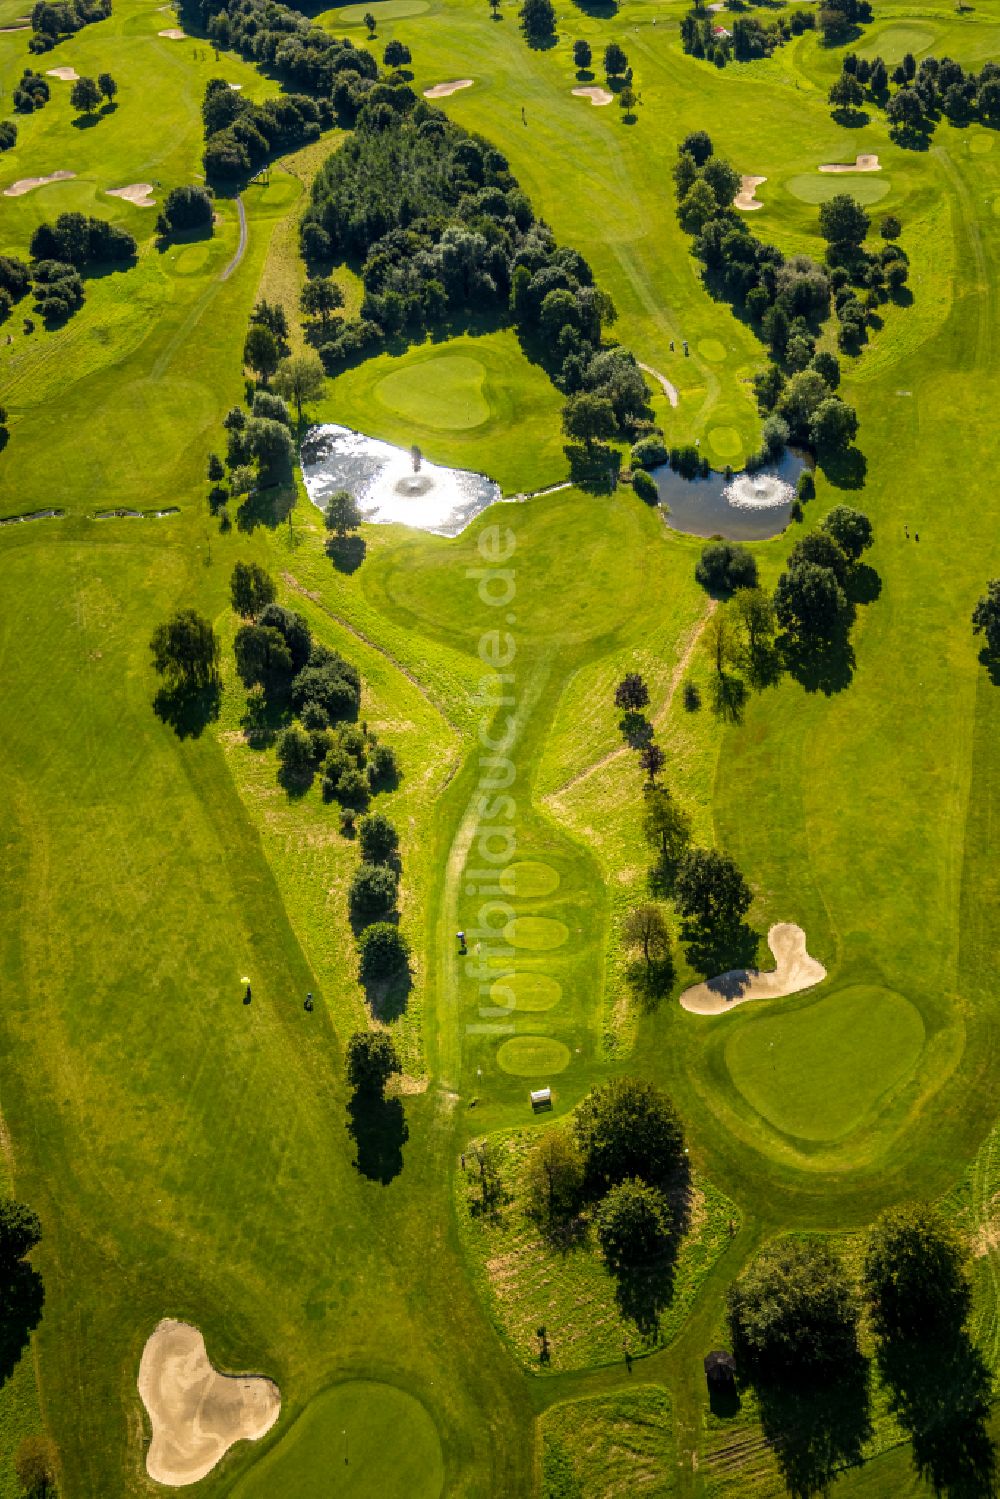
(15, 282)
(442, 232)
(185, 208)
(284, 41)
(793, 1313)
(921, 94)
(31, 91)
(240, 135)
(81, 241)
(50, 22)
(742, 38)
(811, 600)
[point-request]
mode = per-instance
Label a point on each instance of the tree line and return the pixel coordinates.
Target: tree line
(922, 94)
(60, 252)
(240, 136)
(50, 22)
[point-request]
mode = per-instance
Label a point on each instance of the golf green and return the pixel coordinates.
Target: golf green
(712, 349)
(379, 1441)
(806, 1072)
(538, 932)
(529, 880)
(894, 42)
(443, 391)
(725, 441)
(820, 187)
(531, 991)
(388, 10)
(533, 1056)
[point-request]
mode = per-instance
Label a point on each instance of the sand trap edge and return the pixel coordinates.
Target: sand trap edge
(795, 970)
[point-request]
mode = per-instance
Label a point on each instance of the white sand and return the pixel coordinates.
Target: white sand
(196, 1413)
(670, 391)
(236, 86)
(442, 90)
(173, 34)
(746, 198)
(66, 75)
(860, 164)
(598, 96)
(27, 184)
(794, 970)
(136, 192)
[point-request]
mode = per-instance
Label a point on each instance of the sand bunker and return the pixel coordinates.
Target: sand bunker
(136, 192)
(670, 391)
(173, 34)
(67, 75)
(598, 96)
(442, 90)
(794, 970)
(860, 164)
(196, 1413)
(745, 198)
(26, 184)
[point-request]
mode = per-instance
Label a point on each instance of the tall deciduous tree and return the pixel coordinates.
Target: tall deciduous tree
(793, 1313)
(554, 1178)
(710, 889)
(627, 1128)
(986, 617)
(916, 1275)
(371, 1061)
(251, 588)
(667, 829)
(186, 650)
(85, 95)
(261, 351)
(300, 379)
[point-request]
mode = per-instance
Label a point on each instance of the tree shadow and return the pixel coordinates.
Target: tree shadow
(729, 697)
(992, 664)
(187, 710)
(714, 952)
(643, 1292)
(346, 552)
(817, 1427)
(541, 43)
(387, 998)
(636, 729)
(21, 1299)
(268, 506)
(849, 118)
(650, 982)
(601, 10)
(864, 585)
(295, 783)
(85, 122)
(378, 1127)
(763, 666)
(594, 469)
(846, 469)
(825, 666)
(942, 1396)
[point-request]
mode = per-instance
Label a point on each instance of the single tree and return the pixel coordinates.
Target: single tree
(986, 617)
(625, 1128)
(251, 589)
(85, 95)
(553, 1178)
(793, 1313)
(916, 1276)
(809, 601)
(847, 92)
(396, 54)
(262, 657)
(582, 55)
(370, 1062)
(377, 839)
(652, 759)
(107, 86)
(216, 470)
(295, 753)
(842, 221)
(300, 379)
(755, 612)
(698, 145)
(538, 18)
(833, 426)
(633, 1225)
(720, 639)
(35, 1467)
(667, 829)
(615, 61)
(697, 207)
(186, 650)
(646, 927)
(890, 227)
(319, 297)
(261, 351)
(342, 514)
(484, 1165)
(385, 953)
(495, 9)
(725, 566)
(631, 694)
(851, 530)
(820, 548)
(372, 893)
(20, 1231)
(626, 100)
(710, 890)
(589, 418)
(370, 22)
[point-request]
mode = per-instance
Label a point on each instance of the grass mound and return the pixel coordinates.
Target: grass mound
(390, 1444)
(531, 991)
(806, 1071)
(539, 933)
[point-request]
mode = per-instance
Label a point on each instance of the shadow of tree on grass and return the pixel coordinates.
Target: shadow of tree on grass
(188, 710)
(942, 1396)
(21, 1299)
(817, 1428)
(379, 1130)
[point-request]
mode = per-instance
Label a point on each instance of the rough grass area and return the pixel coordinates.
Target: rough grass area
(606, 1446)
(531, 1283)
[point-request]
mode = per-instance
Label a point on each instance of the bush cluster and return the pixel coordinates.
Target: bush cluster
(51, 22)
(184, 208)
(748, 37)
(285, 42)
(31, 91)
(923, 93)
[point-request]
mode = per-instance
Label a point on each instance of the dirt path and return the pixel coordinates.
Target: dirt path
(623, 749)
(794, 971)
(241, 247)
(670, 391)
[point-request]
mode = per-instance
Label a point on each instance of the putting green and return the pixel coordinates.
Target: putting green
(726, 441)
(894, 42)
(191, 260)
(445, 391)
(820, 187)
(819, 1072)
(533, 1056)
(537, 932)
(392, 1449)
(529, 880)
(712, 349)
(531, 991)
(386, 10)
(980, 145)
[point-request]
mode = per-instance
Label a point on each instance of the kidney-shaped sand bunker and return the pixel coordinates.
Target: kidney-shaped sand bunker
(197, 1413)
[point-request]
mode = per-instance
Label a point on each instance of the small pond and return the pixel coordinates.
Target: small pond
(745, 507)
(389, 484)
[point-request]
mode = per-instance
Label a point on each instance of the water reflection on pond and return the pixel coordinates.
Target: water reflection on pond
(744, 507)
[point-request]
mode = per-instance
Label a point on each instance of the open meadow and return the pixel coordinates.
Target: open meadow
(194, 1156)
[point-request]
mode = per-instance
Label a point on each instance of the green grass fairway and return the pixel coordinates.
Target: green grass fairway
(445, 391)
(361, 1440)
(820, 1071)
(865, 187)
